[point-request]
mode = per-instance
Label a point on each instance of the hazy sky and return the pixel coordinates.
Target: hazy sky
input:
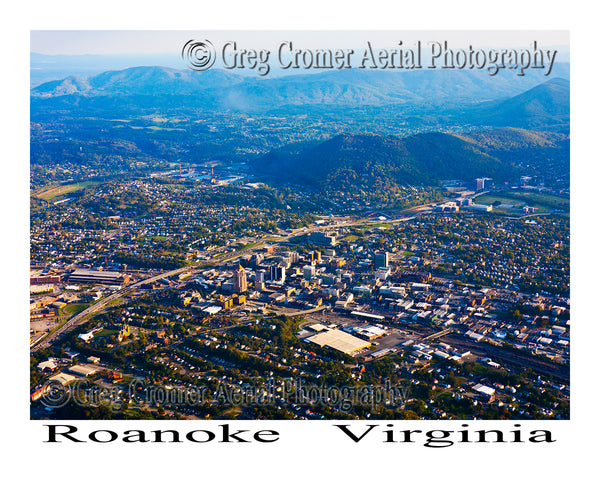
(77, 42)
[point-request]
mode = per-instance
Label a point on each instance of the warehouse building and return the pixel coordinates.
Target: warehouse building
(340, 341)
(487, 392)
(366, 316)
(44, 279)
(82, 370)
(367, 332)
(62, 378)
(98, 276)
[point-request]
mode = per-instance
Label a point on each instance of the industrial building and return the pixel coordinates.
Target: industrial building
(447, 207)
(339, 340)
(35, 279)
(366, 316)
(62, 378)
(480, 208)
(98, 276)
(487, 392)
(367, 332)
(82, 370)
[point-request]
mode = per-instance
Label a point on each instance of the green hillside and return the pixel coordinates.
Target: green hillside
(367, 161)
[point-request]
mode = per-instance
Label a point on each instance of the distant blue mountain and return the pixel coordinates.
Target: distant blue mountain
(46, 68)
(139, 81)
(222, 89)
(544, 105)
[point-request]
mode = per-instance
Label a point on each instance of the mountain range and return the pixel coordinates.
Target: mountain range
(517, 121)
(225, 90)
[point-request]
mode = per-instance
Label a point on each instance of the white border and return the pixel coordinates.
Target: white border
(309, 449)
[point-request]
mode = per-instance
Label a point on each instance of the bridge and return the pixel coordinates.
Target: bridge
(438, 334)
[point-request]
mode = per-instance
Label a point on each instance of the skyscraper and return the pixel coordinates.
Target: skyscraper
(240, 284)
(278, 273)
(259, 280)
(309, 272)
(382, 260)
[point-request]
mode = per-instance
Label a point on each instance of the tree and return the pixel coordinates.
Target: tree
(516, 315)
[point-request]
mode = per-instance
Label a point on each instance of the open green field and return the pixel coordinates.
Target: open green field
(546, 200)
(106, 333)
(74, 308)
(351, 238)
(542, 201)
(380, 225)
(54, 191)
(489, 199)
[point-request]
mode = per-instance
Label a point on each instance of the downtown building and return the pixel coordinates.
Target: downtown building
(240, 282)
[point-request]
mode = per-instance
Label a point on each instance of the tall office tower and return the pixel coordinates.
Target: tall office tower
(257, 259)
(259, 280)
(240, 284)
(278, 273)
(309, 271)
(382, 260)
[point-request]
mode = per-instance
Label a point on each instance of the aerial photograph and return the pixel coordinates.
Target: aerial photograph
(299, 225)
